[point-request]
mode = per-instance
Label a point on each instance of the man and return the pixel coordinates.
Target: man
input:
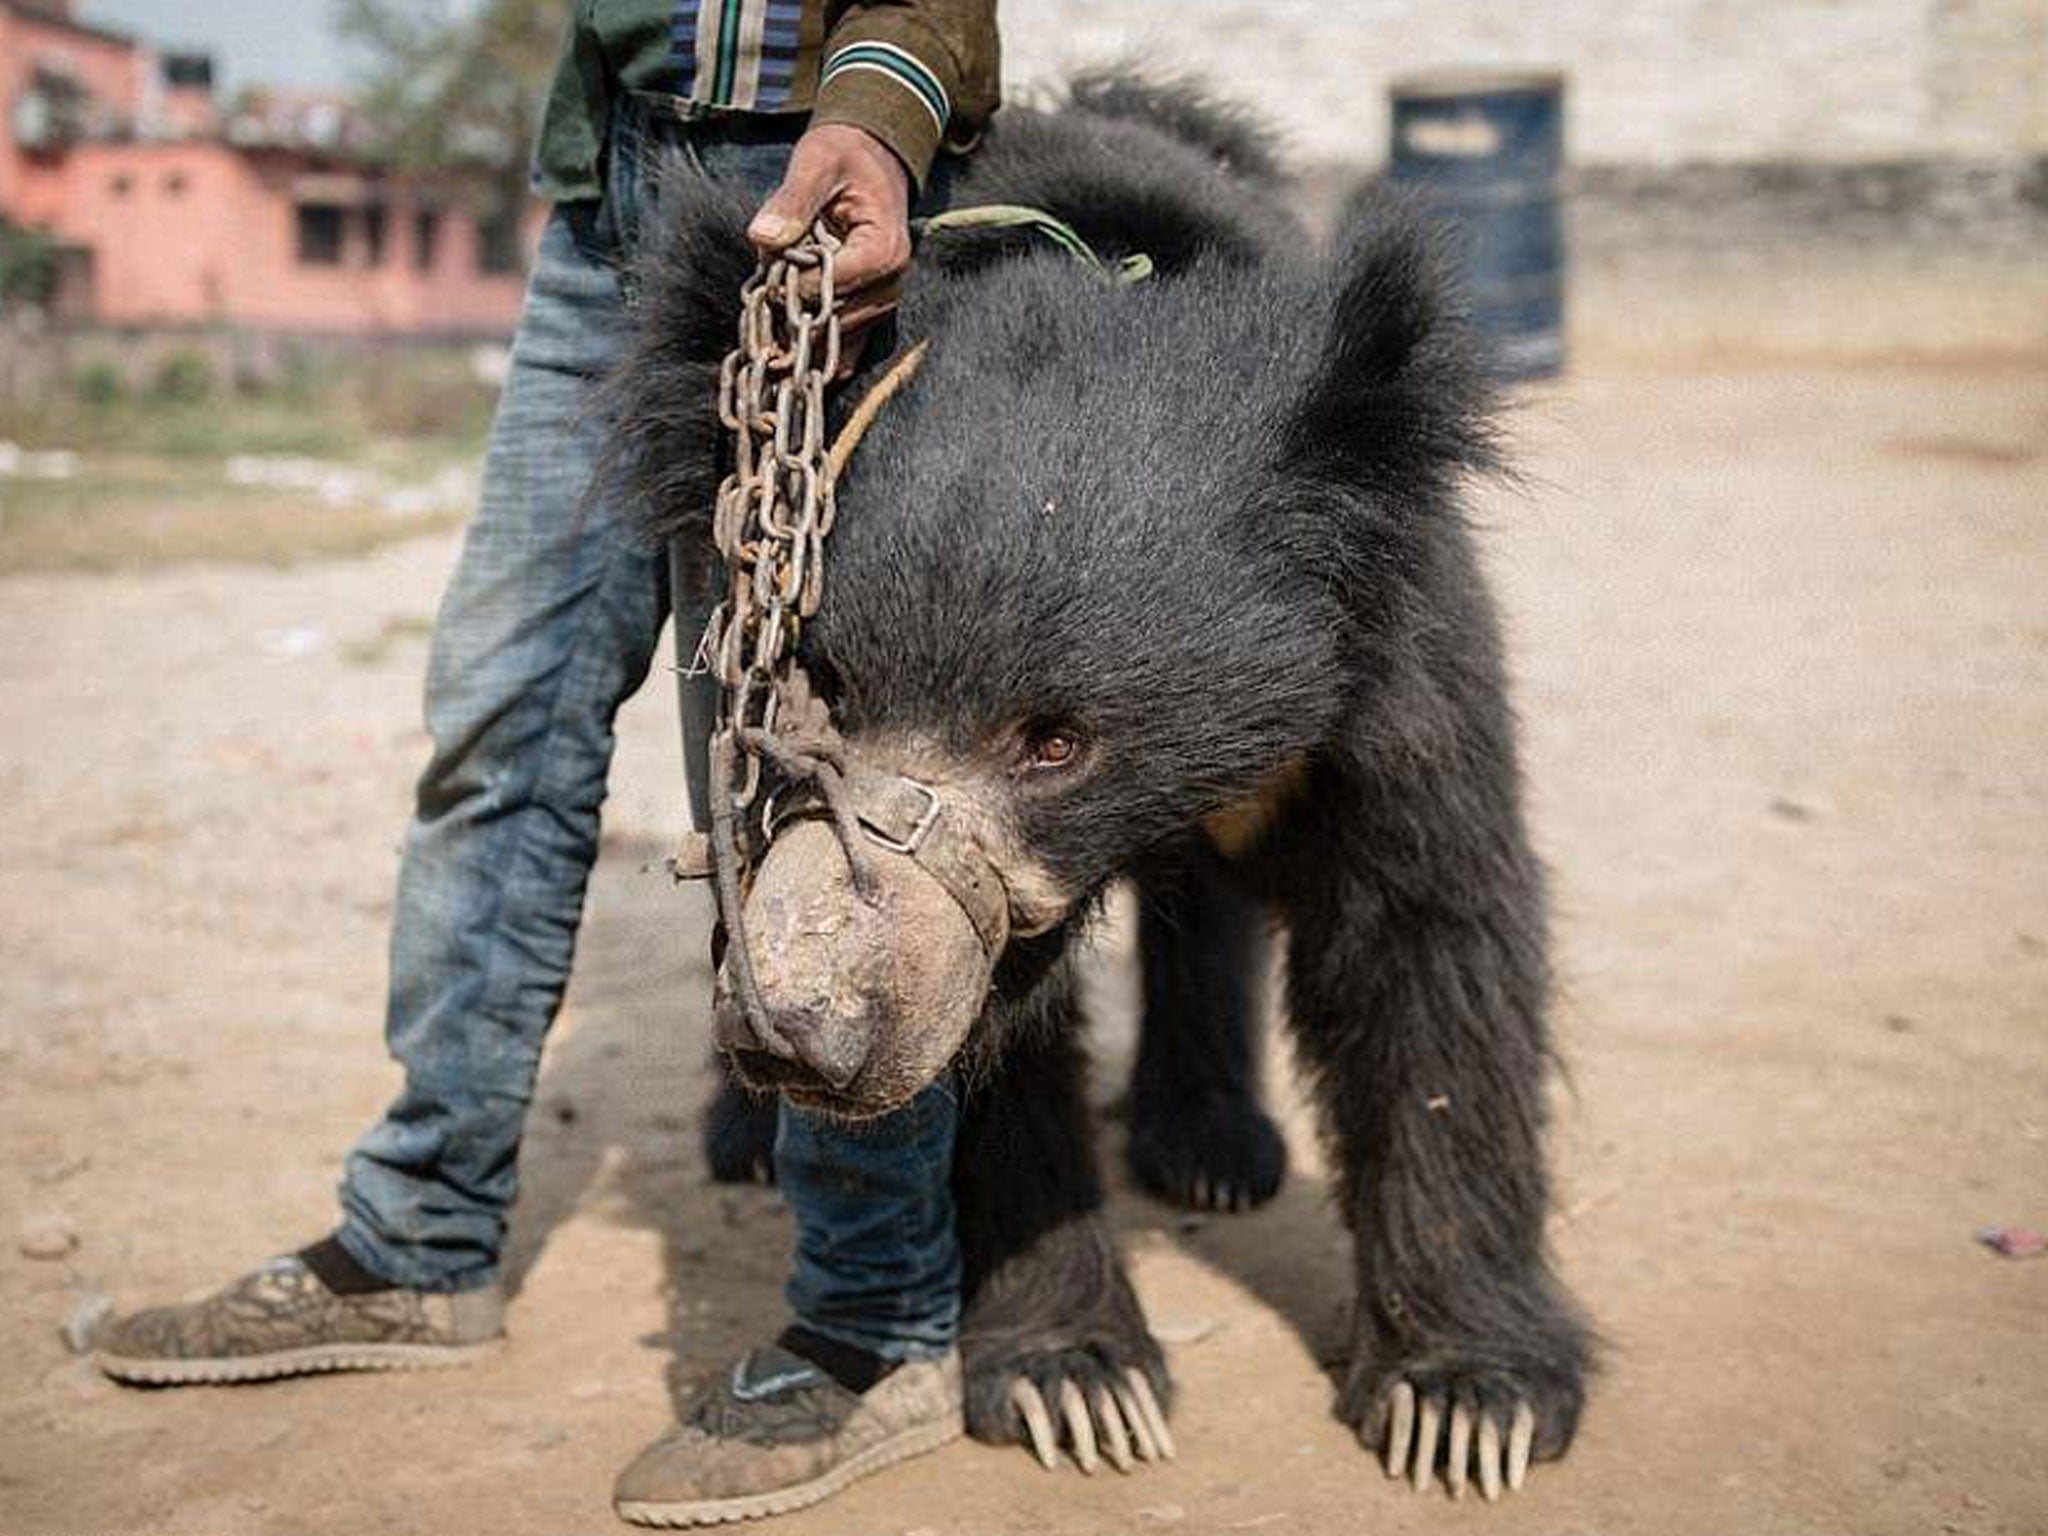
(841, 107)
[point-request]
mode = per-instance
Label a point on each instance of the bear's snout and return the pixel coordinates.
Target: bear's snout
(863, 1003)
(795, 1048)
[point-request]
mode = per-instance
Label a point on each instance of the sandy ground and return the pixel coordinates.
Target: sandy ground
(1783, 656)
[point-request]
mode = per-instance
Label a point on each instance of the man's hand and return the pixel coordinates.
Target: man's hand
(863, 192)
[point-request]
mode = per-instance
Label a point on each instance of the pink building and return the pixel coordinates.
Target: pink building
(172, 212)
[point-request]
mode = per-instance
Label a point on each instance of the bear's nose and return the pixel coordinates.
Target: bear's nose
(828, 1043)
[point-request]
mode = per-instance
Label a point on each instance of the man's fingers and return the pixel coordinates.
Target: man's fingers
(872, 303)
(857, 186)
(793, 207)
(853, 346)
(873, 253)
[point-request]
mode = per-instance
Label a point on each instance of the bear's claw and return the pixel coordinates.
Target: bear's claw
(1225, 1154)
(1413, 1426)
(1125, 1418)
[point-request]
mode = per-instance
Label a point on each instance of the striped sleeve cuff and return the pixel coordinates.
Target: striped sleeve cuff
(895, 94)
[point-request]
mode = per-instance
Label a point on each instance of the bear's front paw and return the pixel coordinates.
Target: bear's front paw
(1221, 1153)
(739, 1134)
(1476, 1423)
(1080, 1397)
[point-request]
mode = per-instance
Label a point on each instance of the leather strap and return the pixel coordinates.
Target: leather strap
(903, 816)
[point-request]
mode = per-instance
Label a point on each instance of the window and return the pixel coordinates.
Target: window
(51, 113)
(188, 71)
(374, 221)
(174, 184)
(497, 243)
(426, 239)
(122, 185)
(321, 234)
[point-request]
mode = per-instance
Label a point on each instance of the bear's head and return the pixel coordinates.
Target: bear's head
(1113, 566)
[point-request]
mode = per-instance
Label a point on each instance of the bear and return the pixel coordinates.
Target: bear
(1170, 581)
(1198, 1136)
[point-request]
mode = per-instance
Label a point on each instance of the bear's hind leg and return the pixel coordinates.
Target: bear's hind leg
(1055, 1344)
(1198, 1135)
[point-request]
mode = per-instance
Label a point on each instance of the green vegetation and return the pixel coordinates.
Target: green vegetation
(321, 404)
(176, 455)
(146, 519)
(99, 384)
(184, 377)
(28, 267)
(187, 465)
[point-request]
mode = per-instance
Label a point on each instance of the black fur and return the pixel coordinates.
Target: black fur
(739, 1130)
(1197, 1134)
(1209, 525)
(1187, 110)
(1047, 1296)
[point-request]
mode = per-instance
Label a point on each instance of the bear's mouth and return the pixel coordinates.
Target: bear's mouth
(767, 1073)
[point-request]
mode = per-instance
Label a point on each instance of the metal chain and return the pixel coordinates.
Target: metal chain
(773, 514)
(775, 508)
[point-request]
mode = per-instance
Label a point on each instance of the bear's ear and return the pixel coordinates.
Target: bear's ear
(663, 448)
(1399, 403)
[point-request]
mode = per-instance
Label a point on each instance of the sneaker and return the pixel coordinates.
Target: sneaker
(282, 1320)
(778, 1433)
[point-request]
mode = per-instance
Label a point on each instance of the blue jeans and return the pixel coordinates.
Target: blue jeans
(548, 625)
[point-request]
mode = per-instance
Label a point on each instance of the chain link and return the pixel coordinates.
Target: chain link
(775, 509)
(773, 513)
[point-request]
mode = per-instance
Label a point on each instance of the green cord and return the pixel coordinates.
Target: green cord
(1130, 269)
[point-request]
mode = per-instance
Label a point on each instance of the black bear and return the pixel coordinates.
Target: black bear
(1167, 580)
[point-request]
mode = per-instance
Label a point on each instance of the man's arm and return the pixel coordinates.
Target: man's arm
(913, 73)
(898, 79)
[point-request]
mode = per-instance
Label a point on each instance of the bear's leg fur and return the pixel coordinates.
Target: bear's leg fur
(1197, 1134)
(739, 1130)
(1048, 1305)
(1417, 982)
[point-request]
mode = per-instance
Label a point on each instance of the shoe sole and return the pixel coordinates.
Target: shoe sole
(781, 1501)
(313, 1359)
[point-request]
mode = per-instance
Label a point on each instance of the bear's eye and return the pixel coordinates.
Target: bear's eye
(827, 684)
(1050, 749)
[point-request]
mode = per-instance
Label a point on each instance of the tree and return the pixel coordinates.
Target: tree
(458, 85)
(28, 267)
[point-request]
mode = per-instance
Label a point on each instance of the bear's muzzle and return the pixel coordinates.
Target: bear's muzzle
(864, 1000)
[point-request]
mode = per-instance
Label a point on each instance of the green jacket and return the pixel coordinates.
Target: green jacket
(917, 74)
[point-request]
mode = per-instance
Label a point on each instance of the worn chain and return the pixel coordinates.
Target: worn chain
(775, 508)
(774, 511)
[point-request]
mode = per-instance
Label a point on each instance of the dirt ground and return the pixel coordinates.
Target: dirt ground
(1782, 653)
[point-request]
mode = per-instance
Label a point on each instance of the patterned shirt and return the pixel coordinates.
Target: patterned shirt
(917, 74)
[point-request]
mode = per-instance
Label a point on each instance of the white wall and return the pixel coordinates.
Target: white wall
(1652, 82)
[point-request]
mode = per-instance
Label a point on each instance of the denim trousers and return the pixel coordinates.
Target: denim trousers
(549, 623)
